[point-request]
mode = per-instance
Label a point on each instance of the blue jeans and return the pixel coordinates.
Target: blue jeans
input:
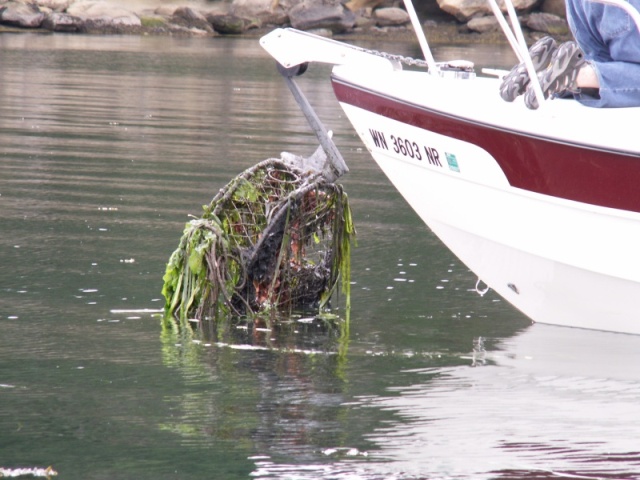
(611, 43)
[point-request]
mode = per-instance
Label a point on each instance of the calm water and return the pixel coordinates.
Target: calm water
(107, 144)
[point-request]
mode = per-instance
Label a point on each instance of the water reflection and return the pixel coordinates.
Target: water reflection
(468, 421)
(536, 410)
(278, 390)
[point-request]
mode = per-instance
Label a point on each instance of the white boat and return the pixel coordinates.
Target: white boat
(543, 205)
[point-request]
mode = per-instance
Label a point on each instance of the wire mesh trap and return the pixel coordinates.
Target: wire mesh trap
(275, 238)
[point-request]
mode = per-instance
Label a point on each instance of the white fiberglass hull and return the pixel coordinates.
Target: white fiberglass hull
(557, 260)
(510, 243)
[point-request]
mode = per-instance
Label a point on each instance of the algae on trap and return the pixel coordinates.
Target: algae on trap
(274, 237)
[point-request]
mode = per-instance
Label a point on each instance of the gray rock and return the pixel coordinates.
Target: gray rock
(547, 23)
(355, 5)
(392, 16)
(269, 12)
(555, 7)
(62, 22)
(191, 18)
(103, 14)
(230, 24)
(483, 24)
(165, 10)
(465, 10)
(53, 5)
(364, 22)
(307, 16)
(21, 15)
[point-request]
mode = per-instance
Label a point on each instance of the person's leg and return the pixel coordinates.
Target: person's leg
(588, 78)
(618, 85)
(611, 43)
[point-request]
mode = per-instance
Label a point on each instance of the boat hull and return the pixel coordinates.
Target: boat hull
(563, 253)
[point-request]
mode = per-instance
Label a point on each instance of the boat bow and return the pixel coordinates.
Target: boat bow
(542, 205)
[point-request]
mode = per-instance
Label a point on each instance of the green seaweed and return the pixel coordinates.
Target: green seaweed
(271, 239)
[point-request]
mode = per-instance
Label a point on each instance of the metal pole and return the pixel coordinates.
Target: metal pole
(335, 165)
(424, 45)
(526, 57)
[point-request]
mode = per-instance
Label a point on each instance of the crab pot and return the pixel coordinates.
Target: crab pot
(272, 239)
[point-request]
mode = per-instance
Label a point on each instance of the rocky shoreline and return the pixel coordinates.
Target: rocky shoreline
(445, 22)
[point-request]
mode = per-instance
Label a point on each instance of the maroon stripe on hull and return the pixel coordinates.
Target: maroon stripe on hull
(598, 177)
